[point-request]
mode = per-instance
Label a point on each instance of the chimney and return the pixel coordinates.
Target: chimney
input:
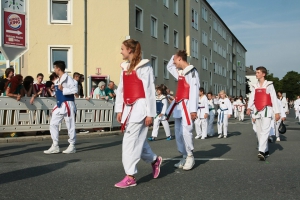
(251, 67)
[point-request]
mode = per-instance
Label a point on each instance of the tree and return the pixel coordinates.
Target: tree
(291, 84)
(276, 81)
(247, 86)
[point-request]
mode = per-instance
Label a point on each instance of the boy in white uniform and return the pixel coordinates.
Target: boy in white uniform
(185, 106)
(211, 117)
(264, 103)
(65, 88)
(224, 113)
(240, 108)
(284, 102)
(282, 118)
(202, 115)
(161, 107)
(297, 107)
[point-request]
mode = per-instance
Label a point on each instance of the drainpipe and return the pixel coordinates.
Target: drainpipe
(184, 31)
(85, 48)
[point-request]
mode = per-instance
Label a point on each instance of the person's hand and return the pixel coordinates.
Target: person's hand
(88, 98)
(229, 116)
(119, 117)
(148, 121)
(253, 120)
(283, 119)
(60, 87)
(106, 98)
(205, 116)
(18, 97)
(160, 115)
(193, 115)
(31, 100)
(248, 111)
(277, 116)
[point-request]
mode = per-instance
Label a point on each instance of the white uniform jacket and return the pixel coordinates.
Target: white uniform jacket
(203, 107)
(269, 90)
(70, 86)
(225, 105)
(282, 110)
(142, 108)
(192, 78)
(284, 104)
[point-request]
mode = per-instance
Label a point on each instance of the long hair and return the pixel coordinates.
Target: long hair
(14, 82)
(28, 80)
(135, 48)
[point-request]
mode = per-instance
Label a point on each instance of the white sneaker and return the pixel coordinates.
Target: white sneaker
(278, 139)
(220, 136)
(52, 149)
(181, 163)
(198, 136)
(202, 138)
(71, 149)
(225, 136)
(189, 163)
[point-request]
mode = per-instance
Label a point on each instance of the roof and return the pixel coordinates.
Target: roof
(250, 71)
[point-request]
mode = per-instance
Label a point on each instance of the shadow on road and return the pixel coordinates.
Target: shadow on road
(33, 171)
(98, 146)
(168, 165)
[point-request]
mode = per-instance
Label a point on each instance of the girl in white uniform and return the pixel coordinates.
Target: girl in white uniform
(282, 118)
(297, 107)
(211, 117)
(135, 105)
(185, 106)
(161, 107)
(202, 115)
(284, 102)
(241, 108)
(224, 113)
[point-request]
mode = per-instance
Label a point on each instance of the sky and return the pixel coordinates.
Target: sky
(268, 29)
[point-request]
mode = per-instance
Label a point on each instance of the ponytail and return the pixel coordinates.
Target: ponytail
(135, 47)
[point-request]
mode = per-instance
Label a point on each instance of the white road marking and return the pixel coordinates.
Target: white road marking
(199, 159)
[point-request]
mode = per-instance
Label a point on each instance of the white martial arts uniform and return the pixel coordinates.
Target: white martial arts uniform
(135, 146)
(157, 120)
(263, 118)
(240, 109)
(211, 117)
(66, 111)
(284, 104)
(183, 130)
(223, 112)
(282, 115)
(201, 122)
(297, 108)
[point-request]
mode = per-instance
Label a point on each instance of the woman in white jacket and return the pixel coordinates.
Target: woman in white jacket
(135, 105)
(224, 113)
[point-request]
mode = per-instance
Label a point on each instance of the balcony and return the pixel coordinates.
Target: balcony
(233, 51)
(234, 67)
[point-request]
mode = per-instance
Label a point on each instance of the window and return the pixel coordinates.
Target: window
(194, 19)
(60, 11)
(204, 38)
(215, 46)
(230, 57)
(205, 86)
(175, 39)
(176, 7)
(166, 3)
(210, 33)
(60, 52)
(138, 18)
(153, 27)
(215, 67)
(194, 46)
(166, 72)
(215, 25)
(204, 63)
(204, 13)
(166, 34)
(224, 53)
(230, 41)
(210, 54)
(154, 65)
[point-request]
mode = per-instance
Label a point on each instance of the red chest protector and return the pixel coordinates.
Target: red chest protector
(183, 89)
(133, 88)
(262, 99)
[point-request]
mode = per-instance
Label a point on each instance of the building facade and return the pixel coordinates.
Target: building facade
(88, 36)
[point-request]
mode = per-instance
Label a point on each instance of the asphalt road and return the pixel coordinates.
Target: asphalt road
(224, 169)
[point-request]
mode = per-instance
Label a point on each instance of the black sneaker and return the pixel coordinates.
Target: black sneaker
(261, 156)
(267, 154)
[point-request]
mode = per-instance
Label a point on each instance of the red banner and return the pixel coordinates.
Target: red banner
(14, 29)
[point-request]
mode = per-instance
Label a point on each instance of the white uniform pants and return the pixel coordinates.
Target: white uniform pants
(242, 114)
(297, 113)
(277, 124)
(184, 136)
(201, 127)
(135, 147)
(210, 125)
(70, 123)
(223, 125)
(263, 127)
(235, 112)
(156, 123)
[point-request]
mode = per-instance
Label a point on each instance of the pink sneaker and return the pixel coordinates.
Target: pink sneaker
(126, 182)
(156, 167)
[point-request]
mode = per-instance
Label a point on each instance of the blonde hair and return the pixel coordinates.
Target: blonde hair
(135, 48)
(222, 91)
